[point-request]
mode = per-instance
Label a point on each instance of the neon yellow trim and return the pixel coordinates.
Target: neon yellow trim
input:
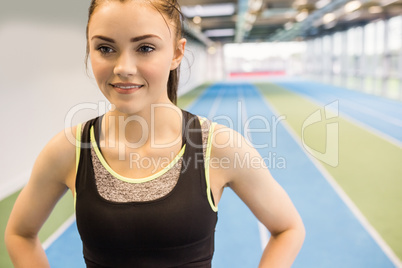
(75, 198)
(202, 119)
(130, 180)
(77, 155)
(207, 158)
(77, 146)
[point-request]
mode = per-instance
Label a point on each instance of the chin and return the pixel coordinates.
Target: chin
(132, 108)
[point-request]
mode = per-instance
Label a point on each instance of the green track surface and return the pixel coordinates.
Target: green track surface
(369, 169)
(5, 208)
(64, 208)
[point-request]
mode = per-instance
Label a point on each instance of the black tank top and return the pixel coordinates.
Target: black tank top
(176, 230)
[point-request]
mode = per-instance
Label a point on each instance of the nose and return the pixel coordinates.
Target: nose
(125, 65)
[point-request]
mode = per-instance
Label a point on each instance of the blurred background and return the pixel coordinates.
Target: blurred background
(355, 46)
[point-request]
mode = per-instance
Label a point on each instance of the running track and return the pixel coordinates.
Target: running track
(335, 237)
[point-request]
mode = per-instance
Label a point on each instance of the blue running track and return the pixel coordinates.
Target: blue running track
(335, 237)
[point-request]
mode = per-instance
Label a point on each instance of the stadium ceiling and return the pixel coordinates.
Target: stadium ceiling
(229, 21)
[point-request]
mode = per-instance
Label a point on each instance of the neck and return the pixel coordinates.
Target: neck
(160, 124)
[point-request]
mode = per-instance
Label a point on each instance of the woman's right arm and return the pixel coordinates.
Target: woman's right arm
(53, 172)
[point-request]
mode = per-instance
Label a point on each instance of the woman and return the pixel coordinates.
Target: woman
(132, 214)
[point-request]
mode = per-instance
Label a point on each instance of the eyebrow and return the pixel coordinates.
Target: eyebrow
(134, 39)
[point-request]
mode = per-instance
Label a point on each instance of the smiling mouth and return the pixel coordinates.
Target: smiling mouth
(126, 86)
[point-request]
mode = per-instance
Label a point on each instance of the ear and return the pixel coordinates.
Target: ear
(178, 53)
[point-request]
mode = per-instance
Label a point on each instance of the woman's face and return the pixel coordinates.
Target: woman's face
(132, 51)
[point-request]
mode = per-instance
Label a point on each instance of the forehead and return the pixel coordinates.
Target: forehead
(128, 18)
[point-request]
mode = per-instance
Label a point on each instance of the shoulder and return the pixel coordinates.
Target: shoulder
(64, 141)
(231, 153)
(226, 140)
(57, 159)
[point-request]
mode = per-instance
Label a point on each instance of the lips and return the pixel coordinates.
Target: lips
(126, 88)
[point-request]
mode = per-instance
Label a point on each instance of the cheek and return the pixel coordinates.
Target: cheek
(157, 69)
(100, 69)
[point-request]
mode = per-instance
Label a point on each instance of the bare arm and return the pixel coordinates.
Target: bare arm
(254, 184)
(53, 170)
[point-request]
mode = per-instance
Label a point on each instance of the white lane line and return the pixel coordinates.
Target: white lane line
(360, 124)
(58, 232)
(215, 105)
(354, 105)
(372, 130)
(338, 189)
(195, 101)
(264, 234)
(368, 111)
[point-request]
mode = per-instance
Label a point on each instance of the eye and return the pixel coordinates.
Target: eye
(146, 49)
(105, 50)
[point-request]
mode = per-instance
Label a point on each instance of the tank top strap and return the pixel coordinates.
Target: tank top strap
(84, 159)
(195, 146)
